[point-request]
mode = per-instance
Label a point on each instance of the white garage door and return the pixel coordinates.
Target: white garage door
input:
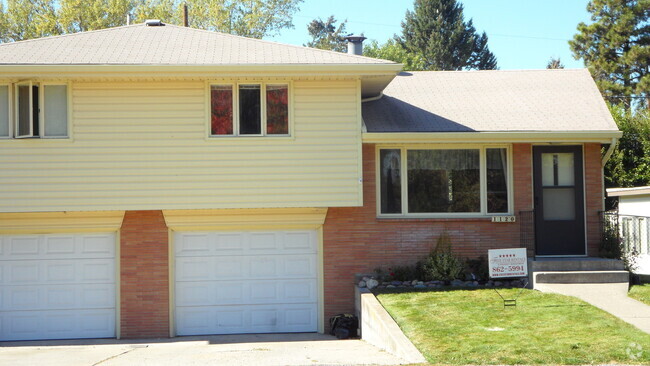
(246, 282)
(57, 286)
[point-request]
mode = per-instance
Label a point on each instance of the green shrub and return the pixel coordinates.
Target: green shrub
(442, 264)
(402, 273)
(479, 267)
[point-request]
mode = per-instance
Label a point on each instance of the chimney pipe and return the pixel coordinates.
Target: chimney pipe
(186, 23)
(128, 19)
(355, 44)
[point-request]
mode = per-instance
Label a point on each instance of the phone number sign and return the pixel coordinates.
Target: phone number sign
(508, 263)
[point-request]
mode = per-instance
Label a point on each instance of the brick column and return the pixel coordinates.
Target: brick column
(144, 271)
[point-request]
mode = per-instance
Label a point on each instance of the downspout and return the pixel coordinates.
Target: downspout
(610, 151)
(370, 99)
(608, 154)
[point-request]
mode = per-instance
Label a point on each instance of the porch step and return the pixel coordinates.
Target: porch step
(581, 277)
(578, 270)
(575, 264)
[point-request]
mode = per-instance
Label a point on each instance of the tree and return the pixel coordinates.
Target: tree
(437, 31)
(85, 15)
(25, 19)
(616, 49)
(629, 165)
(326, 35)
(554, 63)
(391, 50)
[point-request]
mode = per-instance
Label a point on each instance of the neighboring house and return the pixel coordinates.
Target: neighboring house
(634, 223)
(161, 181)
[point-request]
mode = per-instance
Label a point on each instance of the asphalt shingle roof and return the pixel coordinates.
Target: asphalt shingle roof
(165, 45)
(489, 101)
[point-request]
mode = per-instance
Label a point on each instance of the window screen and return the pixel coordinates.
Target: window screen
(56, 110)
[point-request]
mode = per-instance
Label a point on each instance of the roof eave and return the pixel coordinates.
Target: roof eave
(603, 137)
(73, 70)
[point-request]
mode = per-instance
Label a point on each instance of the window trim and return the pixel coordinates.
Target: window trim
(443, 215)
(41, 117)
(13, 110)
(235, 115)
(10, 108)
(30, 85)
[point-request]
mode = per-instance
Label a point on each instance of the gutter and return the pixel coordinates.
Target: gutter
(602, 137)
(610, 150)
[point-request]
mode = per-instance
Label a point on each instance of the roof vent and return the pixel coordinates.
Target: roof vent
(153, 23)
(355, 44)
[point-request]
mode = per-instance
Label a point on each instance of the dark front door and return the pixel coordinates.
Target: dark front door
(559, 202)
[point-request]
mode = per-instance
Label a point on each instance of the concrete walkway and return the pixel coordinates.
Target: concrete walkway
(252, 349)
(611, 297)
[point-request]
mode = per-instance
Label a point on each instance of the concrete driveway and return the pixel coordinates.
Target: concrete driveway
(249, 349)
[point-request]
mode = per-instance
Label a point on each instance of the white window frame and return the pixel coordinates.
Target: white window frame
(41, 112)
(483, 180)
(17, 109)
(263, 109)
(10, 107)
(42, 118)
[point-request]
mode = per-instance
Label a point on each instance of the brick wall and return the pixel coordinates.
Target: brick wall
(144, 271)
(355, 241)
(593, 195)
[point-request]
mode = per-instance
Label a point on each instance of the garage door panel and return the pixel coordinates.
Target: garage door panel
(44, 272)
(59, 246)
(17, 298)
(57, 286)
(246, 319)
(194, 268)
(62, 324)
(246, 282)
(245, 243)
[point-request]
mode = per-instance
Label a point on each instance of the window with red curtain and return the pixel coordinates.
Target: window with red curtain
(221, 105)
(277, 110)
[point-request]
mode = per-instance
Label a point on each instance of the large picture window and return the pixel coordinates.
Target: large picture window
(249, 109)
(443, 182)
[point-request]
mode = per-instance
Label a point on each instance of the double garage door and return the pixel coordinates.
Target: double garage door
(64, 285)
(57, 286)
(246, 282)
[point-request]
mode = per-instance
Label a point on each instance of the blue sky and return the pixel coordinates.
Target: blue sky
(523, 34)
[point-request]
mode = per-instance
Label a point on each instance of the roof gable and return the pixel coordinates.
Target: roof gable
(166, 45)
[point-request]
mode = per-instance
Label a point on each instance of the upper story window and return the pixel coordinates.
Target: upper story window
(39, 110)
(250, 109)
(444, 182)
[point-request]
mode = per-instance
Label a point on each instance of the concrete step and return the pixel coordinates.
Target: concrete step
(581, 277)
(565, 265)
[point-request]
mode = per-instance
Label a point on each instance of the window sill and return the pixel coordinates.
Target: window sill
(474, 217)
(241, 138)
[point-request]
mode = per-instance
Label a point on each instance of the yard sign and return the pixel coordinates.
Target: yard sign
(508, 263)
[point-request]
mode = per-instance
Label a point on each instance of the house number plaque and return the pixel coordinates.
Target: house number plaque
(503, 219)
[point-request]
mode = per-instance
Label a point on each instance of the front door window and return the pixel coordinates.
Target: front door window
(559, 202)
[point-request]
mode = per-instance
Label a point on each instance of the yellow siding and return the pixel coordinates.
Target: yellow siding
(143, 145)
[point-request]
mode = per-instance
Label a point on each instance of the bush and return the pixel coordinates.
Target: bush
(479, 267)
(442, 264)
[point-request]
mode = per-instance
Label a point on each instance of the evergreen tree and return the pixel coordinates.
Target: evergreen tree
(326, 35)
(616, 49)
(437, 30)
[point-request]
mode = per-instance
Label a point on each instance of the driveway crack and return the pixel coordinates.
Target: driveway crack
(114, 356)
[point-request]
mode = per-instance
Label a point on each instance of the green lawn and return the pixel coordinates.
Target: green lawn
(641, 293)
(472, 327)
